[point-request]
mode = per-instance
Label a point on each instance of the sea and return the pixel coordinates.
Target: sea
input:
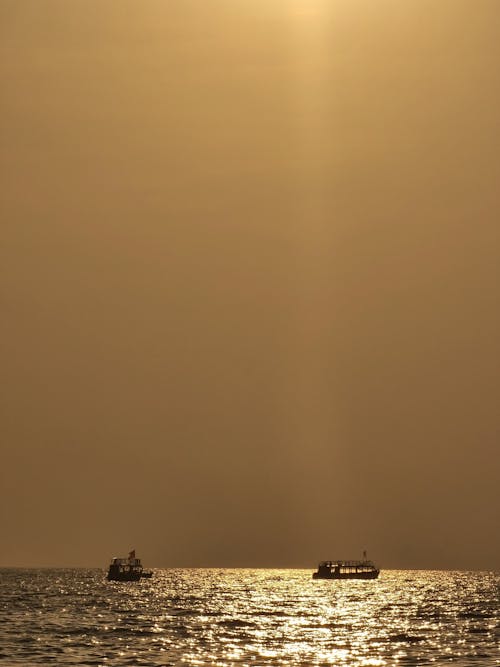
(226, 617)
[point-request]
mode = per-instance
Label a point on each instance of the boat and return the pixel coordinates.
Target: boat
(347, 569)
(127, 569)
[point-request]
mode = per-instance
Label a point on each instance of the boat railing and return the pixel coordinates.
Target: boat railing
(133, 562)
(347, 563)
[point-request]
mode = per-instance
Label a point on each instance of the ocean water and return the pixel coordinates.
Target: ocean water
(248, 617)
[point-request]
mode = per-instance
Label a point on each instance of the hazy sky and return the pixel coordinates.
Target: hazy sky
(250, 282)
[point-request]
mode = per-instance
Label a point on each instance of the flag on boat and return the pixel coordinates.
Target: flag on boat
(132, 554)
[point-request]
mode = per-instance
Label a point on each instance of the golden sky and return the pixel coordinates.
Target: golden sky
(250, 281)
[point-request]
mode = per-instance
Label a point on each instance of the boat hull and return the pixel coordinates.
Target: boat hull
(124, 576)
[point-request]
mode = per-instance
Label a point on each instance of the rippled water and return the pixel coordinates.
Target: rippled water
(248, 617)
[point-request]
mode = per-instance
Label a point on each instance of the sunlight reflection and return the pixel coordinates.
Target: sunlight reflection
(255, 617)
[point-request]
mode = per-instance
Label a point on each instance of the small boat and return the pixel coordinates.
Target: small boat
(347, 569)
(127, 569)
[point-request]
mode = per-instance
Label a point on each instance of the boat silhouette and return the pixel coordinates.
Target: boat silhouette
(127, 569)
(347, 569)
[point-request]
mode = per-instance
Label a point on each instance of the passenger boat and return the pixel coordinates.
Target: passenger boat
(127, 569)
(347, 569)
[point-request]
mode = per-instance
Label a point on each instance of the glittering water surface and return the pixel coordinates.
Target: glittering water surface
(248, 617)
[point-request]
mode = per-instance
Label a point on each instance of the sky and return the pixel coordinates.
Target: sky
(250, 282)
